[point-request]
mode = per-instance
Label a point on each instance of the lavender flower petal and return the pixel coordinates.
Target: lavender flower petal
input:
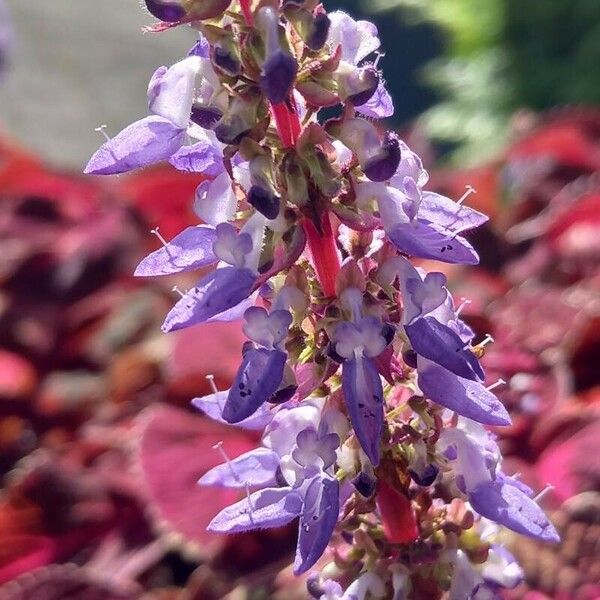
(257, 379)
(188, 251)
(466, 397)
(212, 406)
(142, 143)
(364, 398)
(202, 157)
(219, 291)
(449, 215)
(437, 342)
(261, 510)
(256, 468)
(379, 106)
(317, 521)
(509, 506)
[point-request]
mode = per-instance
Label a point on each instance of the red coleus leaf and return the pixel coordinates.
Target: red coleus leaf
(397, 515)
(174, 449)
(62, 582)
(164, 196)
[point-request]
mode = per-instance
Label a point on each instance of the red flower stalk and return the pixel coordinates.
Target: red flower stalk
(323, 253)
(287, 122)
(397, 515)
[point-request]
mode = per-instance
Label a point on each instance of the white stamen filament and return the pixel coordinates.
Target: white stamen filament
(469, 191)
(495, 385)
(219, 448)
(211, 381)
(488, 340)
(543, 493)
(378, 57)
(102, 130)
(175, 288)
(464, 302)
(157, 233)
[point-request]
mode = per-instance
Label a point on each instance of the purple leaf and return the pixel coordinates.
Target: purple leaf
(364, 398)
(212, 406)
(509, 506)
(188, 251)
(318, 520)
(256, 468)
(143, 143)
(214, 294)
(423, 240)
(261, 510)
(437, 342)
(258, 378)
(467, 398)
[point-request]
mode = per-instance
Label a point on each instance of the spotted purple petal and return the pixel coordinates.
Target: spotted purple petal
(219, 291)
(261, 510)
(423, 240)
(212, 406)
(142, 143)
(201, 48)
(466, 397)
(257, 379)
(379, 106)
(318, 520)
(364, 398)
(188, 251)
(437, 342)
(256, 468)
(509, 506)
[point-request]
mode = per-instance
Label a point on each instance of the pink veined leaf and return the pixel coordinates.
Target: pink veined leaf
(174, 449)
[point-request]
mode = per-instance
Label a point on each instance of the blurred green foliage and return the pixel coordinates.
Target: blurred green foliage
(502, 56)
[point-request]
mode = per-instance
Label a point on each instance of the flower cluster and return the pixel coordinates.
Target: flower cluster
(358, 368)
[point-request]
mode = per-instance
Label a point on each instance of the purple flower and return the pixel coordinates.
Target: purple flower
(448, 371)
(359, 39)
(227, 286)
(379, 159)
(161, 136)
(491, 494)
(420, 223)
(299, 455)
(261, 371)
(358, 344)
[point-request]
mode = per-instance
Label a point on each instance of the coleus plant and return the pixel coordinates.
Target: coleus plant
(358, 369)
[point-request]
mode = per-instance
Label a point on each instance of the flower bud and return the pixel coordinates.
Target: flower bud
(278, 76)
(319, 32)
(166, 10)
(365, 484)
(206, 117)
(226, 60)
(264, 201)
(383, 166)
(205, 9)
(358, 85)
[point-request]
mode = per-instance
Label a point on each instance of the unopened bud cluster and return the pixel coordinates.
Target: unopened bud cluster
(358, 369)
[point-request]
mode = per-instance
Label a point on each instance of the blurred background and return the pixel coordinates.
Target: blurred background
(99, 452)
